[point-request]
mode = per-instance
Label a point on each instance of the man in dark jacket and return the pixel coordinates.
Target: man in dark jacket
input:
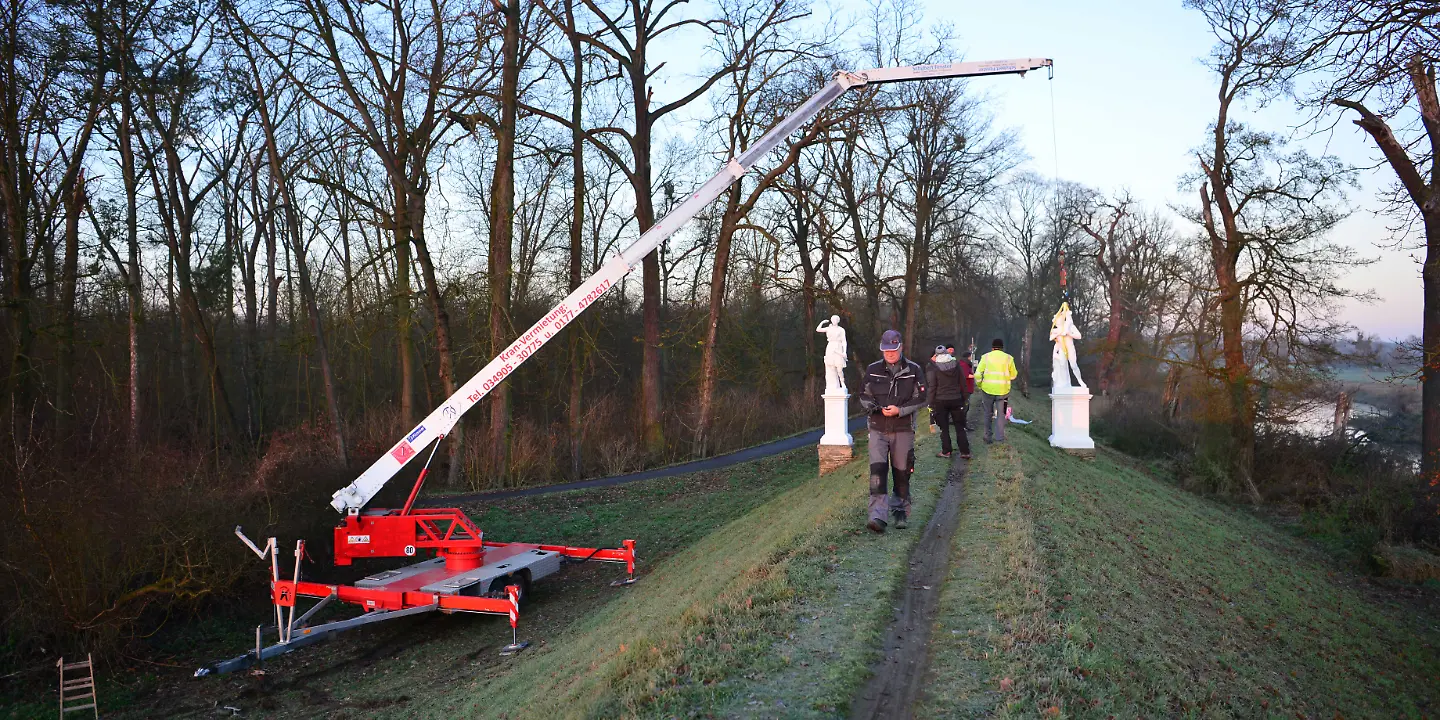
(891, 391)
(946, 394)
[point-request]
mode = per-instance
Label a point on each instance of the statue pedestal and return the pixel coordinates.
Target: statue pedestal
(836, 445)
(1070, 421)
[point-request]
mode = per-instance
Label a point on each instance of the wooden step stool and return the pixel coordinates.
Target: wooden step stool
(77, 692)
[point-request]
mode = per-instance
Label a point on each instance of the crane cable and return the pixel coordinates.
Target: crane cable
(1055, 158)
(1054, 134)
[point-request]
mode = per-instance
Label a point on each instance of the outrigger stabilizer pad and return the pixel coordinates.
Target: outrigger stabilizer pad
(514, 648)
(627, 581)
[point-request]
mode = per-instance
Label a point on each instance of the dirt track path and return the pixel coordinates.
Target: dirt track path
(895, 685)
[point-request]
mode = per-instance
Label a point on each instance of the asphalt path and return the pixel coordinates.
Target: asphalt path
(715, 463)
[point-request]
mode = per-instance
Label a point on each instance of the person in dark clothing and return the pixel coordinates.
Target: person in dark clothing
(891, 391)
(945, 383)
(968, 360)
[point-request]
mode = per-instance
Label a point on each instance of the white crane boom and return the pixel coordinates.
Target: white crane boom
(436, 425)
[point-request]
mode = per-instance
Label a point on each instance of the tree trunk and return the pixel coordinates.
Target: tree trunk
(709, 372)
(69, 280)
(1226, 244)
(69, 274)
(915, 268)
(327, 375)
(575, 413)
(801, 232)
(400, 233)
(177, 208)
(343, 215)
(134, 282)
(1430, 339)
(868, 276)
(1170, 402)
(1426, 196)
(1112, 335)
(307, 289)
(443, 344)
(272, 278)
(502, 228)
(653, 434)
(1026, 351)
(195, 318)
(16, 192)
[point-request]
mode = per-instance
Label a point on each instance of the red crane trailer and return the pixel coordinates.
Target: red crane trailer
(469, 573)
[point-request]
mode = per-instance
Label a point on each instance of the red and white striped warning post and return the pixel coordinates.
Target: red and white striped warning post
(514, 593)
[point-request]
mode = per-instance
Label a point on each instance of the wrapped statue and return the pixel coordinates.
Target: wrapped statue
(1063, 361)
(835, 351)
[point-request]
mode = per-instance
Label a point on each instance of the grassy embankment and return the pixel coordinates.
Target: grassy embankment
(774, 614)
(1091, 589)
(757, 590)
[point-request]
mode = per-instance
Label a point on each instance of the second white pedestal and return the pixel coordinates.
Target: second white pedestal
(837, 431)
(1070, 421)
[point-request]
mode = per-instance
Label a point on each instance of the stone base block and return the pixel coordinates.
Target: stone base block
(833, 456)
(1070, 421)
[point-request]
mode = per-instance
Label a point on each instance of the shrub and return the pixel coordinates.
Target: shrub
(1134, 428)
(101, 547)
(1352, 495)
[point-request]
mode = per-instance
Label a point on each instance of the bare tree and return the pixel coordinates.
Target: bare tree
(627, 31)
(761, 53)
(502, 229)
(281, 173)
(83, 46)
(172, 99)
(575, 79)
(952, 159)
(26, 84)
(1381, 55)
(1018, 218)
(1106, 222)
(394, 74)
(1264, 210)
(856, 187)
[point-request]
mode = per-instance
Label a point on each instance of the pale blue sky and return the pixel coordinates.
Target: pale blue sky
(1131, 99)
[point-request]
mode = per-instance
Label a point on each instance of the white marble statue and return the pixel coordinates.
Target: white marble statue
(1062, 362)
(835, 351)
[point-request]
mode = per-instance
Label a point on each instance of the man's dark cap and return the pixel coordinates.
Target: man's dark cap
(890, 340)
(997, 344)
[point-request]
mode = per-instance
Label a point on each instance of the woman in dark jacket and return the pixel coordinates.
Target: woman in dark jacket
(948, 381)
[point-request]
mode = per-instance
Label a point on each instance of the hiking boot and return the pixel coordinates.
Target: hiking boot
(942, 454)
(900, 523)
(876, 525)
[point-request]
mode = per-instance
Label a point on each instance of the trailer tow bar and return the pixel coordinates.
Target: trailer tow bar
(309, 636)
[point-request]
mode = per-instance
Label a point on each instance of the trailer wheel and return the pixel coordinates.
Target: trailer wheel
(520, 579)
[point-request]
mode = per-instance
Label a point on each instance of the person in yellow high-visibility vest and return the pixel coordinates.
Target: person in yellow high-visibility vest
(992, 379)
